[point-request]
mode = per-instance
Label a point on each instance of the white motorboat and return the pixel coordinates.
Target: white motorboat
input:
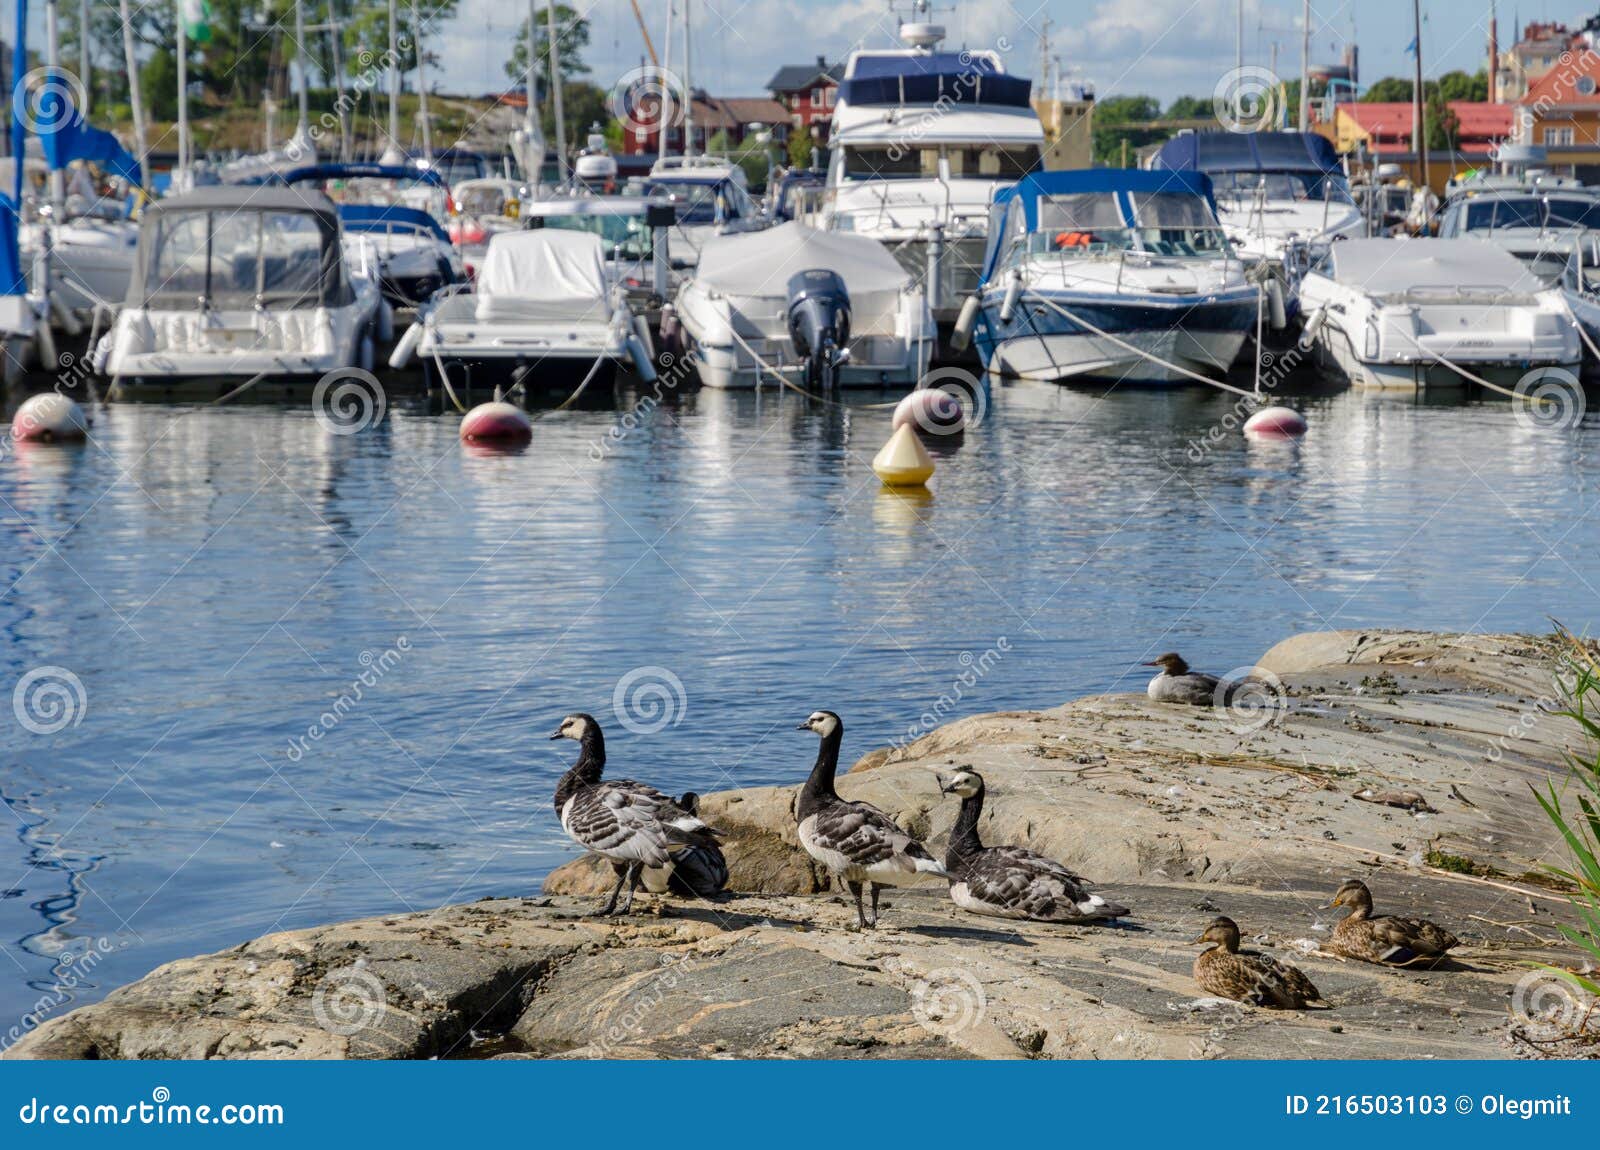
(1116, 275)
(741, 309)
(712, 198)
(543, 312)
(921, 141)
(635, 235)
(1272, 189)
(1408, 313)
(243, 281)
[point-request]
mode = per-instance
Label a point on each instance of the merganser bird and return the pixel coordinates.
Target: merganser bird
(1007, 881)
(695, 871)
(628, 823)
(1225, 971)
(856, 842)
(1178, 684)
(1387, 939)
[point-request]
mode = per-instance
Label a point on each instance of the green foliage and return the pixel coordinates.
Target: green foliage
(1189, 108)
(1389, 90)
(1451, 86)
(1111, 119)
(1441, 126)
(1574, 809)
(159, 77)
(800, 146)
(573, 34)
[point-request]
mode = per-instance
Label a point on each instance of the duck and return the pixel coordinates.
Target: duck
(1178, 684)
(856, 842)
(629, 824)
(1387, 939)
(1223, 970)
(698, 871)
(1010, 881)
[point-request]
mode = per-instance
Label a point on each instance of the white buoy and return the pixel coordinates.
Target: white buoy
(903, 461)
(49, 417)
(1276, 423)
(932, 410)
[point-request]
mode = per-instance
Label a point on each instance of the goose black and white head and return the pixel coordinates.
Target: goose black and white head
(823, 723)
(963, 782)
(577, 726)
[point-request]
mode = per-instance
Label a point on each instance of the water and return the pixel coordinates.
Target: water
(217, 578)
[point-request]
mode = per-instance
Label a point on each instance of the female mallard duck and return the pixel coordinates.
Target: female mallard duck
(1387, 939)
(857, 842)
(1011, 882)
(1224, 971)
(632, 825)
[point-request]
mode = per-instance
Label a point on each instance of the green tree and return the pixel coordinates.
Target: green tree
(800, 146)
(573, 33)
(1111, 119)
(1441, 126)
(1189, 108)
(1389, 90)
(1460, 86)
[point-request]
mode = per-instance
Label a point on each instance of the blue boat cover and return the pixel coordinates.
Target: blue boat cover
(12, 281)
(1248, 152)
(76, 140)
(320, 173)
(929, 77)
(380, 217)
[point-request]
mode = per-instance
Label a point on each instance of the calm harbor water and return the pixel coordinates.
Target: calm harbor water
(302, 676)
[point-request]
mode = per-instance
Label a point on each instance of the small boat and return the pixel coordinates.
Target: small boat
(634, 234)
(387, 206)
(543, 312)
(1271, 188)
(741, 309)
(1112, 275)
(243, 281)
(478, 209)
(1398, 313)
(712, 198)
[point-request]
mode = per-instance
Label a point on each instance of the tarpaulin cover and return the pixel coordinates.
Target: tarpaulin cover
(1247, 152)
(929, 77)
(542, 274)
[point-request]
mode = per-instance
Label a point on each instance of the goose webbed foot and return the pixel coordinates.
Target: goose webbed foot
(861, 914)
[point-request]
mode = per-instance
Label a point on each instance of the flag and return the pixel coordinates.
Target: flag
(196, 16)
(1411, 48)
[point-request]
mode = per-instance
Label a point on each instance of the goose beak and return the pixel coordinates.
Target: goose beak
(806, 726)
(944, 787)
(556, 734)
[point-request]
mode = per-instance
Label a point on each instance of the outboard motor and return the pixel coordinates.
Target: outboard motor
(819, 324)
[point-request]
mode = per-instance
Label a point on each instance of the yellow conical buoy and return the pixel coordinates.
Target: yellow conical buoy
(903, 462)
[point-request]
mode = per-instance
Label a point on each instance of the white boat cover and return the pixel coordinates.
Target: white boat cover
(1394, 267)
(544, 274)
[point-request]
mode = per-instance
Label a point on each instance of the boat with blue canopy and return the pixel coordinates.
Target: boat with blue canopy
(1110, 275)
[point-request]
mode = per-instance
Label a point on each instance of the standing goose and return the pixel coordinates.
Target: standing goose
(1011, 882)
(628, 823)
(698, 871)
(1224, 971)
(1387, 939)
(857, 842)
(1178, 684)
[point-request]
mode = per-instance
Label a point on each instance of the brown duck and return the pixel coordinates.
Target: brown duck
(1387, 939)
(1254, 978)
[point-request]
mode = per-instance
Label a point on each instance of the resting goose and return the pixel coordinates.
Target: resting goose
(697, 871)
(1224, 971)
(1178, 684)
(856, 842)
(1011, 882)
(1387, 939)
(631, 824)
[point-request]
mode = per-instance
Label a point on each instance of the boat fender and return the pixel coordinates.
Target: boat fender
(641, 328)
(1313, 327)
(1008, 306)
(46, 338)
(641, 360)
(49, 417)
(385, 321)
(671, 331)
(1277, 309)
(932, 411)
(961, 336)
(406, 348)
(63, 314)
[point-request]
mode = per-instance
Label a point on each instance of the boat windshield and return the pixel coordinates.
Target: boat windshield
(1501, 212)
(1175, 224)
(1298, 186)
(627, 233)
(1087, 223)
(1576, 212)
(459, 166)
(697, 203)
(482, 200)
(1166, 224)
(234, 258)
(965, 161)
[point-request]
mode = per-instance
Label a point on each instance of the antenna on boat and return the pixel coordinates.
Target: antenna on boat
(918, 29)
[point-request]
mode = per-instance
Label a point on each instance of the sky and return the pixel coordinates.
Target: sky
(1163, 48)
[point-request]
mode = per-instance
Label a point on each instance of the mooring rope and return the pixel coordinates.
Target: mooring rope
(777, 373)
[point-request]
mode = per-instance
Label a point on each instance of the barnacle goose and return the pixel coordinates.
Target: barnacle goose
(856, 842)
(629, 823)
(697, 871)
(1011, 882)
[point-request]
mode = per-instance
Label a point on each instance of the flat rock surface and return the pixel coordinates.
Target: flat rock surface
(1182, 813)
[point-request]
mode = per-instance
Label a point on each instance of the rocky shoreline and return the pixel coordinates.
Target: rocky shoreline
(1401, 758)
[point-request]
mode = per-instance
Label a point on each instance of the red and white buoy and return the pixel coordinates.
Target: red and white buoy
(50, 417)
(1276, 423)
(496, 422)
(931, 410)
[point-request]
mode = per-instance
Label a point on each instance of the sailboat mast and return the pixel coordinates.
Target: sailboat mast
(52, 38)
(183, 92)
(422, 84)
(135, 98)
(555, 91)
(302, 130)
(392, 154)
(1419, 137)
(688, 83)
(1305, 68)
(664, 120)
(83, 53)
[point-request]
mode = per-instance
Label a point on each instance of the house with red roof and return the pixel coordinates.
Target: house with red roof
(1384, 130)
(1561, 114)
